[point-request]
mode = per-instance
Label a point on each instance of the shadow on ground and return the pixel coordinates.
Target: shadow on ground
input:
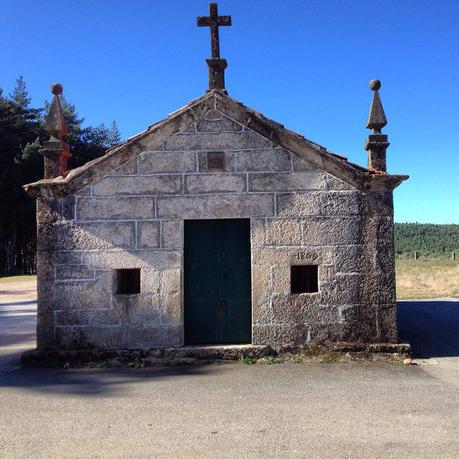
(431, 327)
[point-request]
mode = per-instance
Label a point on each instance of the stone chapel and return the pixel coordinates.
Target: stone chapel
(215, 226)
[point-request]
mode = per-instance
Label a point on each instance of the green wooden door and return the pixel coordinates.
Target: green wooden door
(217, 282)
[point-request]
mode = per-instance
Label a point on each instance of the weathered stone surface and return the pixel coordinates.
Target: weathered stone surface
(214, 183)
(261, 293)
(148, 235)
(146, 336)
(74, 272)
(230, 161)
(88, 337)
(172, 234)
(217, 124)
(216, 206)
(171, 297)
(115, 209)
(154, 162)
(277, 335)
(299, 164)
(216, 141)
(129, 168)
(138, 185)
(291, 181)
(89, 236)
(71, 317)
(327, 230)
(283, 231)
(302, 309)
(83, 294)
(264, 160)
(129, 259)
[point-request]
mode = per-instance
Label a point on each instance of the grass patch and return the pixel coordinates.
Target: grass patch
(328, 358)
(247, 360)
(427, 278)
(5, 280)
(269, 360)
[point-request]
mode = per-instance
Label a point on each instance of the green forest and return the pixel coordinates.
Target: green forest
(21, 136)
(426, 239)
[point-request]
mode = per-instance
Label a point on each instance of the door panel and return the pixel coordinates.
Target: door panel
(217, 282)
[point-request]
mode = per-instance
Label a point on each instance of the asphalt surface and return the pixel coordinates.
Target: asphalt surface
(231, 410)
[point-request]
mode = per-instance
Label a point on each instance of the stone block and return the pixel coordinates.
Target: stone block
(108, 316)
(285, 256)
(74, 272)
(86, 191)
(216, 206)
(230, 160)
(138, 185)
(299, 204)
(154, 162)
(349, 259)
(131, 208)
(143, 309)
(91, 236)
(281, 280)
(299, 164)
(265, 160)
(334, 183)
(148, 235)
(261, 293)
(66, 257)
(257, 232)
(216, 141)
(286, 181)
(149, 336)
(216, 122)
(342, 289)
(89, 337)
(280, 335)
(325, 333)
(304, 308)
(129, 259)
(332, 231)
(340, 203)
(283, 231)
(150, 281)
(172, 234)
(129, 168)
(84, 294)
(171, 297)
(215, 183)
(71, 317)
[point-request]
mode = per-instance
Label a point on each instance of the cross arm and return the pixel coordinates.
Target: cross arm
(207, 21)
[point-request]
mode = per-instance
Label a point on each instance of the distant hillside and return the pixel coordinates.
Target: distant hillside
(426, 239)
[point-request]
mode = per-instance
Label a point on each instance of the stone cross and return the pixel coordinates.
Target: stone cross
(216, 65)
(214, 21)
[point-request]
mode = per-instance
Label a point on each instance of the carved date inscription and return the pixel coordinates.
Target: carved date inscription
(306, 256)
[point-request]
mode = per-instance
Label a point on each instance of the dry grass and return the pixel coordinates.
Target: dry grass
(427, 279)
(8, 279)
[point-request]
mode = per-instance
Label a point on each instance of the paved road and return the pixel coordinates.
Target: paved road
(231, 410)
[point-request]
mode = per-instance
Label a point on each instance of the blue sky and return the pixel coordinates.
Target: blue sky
(304, 63)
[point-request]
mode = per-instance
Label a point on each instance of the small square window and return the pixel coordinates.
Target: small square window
(304, 279)
(215, 161)
(127, 281)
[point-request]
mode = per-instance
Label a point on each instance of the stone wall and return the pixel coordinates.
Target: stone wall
(133, 218)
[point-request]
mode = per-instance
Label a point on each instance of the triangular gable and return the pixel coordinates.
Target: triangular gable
(155, 135)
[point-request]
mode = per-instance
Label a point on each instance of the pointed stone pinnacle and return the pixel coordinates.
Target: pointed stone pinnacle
(377, 118)
(55, 124)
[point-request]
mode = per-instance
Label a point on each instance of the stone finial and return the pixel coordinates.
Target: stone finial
(377, 143)
(376, 118)
(216, 65)
(56, 151)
